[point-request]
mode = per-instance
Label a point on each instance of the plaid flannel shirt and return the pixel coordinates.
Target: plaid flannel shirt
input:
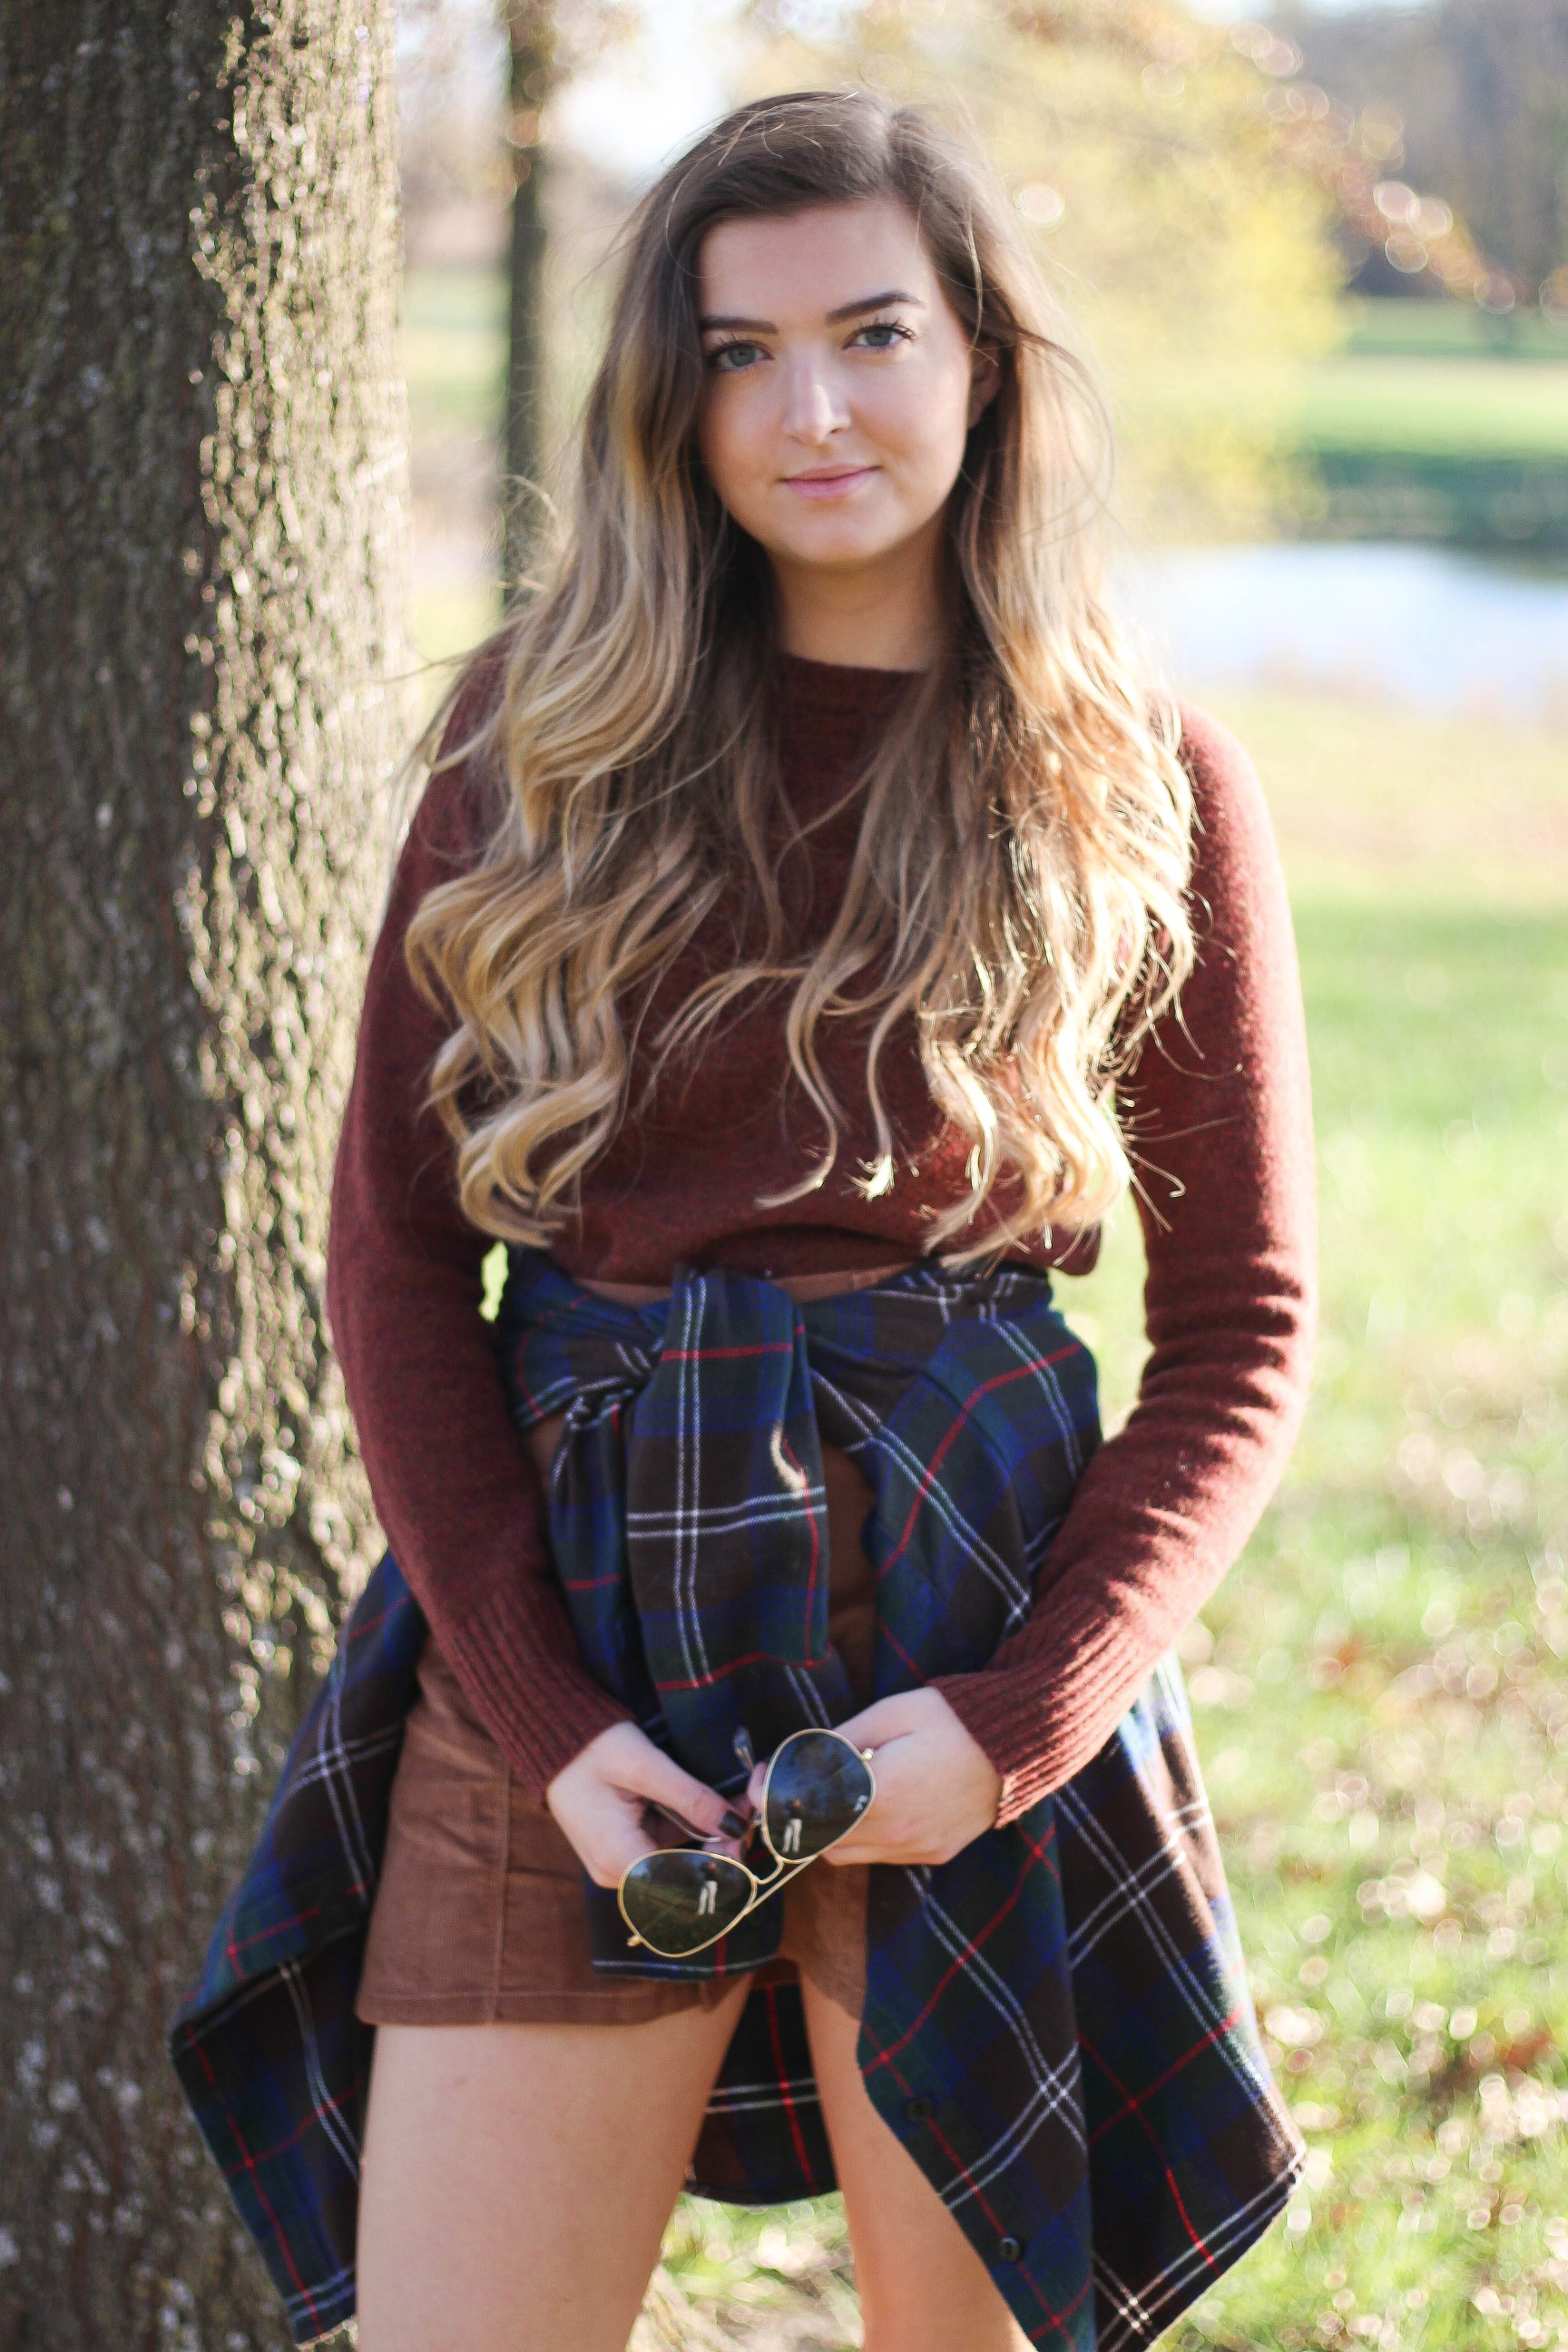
(1057, 2023)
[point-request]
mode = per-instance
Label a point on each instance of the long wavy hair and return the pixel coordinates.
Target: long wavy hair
(1017, 891)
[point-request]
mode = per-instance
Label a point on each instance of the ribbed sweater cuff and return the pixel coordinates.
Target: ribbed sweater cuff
(1042, 1719)
(541, 1710)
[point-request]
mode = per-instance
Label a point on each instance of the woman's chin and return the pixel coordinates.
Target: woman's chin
(842, 546)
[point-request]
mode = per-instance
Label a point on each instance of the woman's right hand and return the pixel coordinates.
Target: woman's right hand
(599, 1800)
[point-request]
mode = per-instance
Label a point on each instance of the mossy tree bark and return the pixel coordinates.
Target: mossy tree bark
(201, 465)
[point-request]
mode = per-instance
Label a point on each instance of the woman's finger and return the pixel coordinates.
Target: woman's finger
(885, 1719)
(610, 1856)
(659, 1777)
(871, 1728)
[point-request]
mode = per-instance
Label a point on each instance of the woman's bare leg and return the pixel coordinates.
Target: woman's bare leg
(518, 2178)
(922, 2286)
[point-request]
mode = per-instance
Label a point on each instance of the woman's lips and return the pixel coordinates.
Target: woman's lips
(837, 485)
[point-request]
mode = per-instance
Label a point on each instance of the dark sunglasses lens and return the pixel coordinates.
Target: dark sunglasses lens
(679, 1902)
(817, 1789)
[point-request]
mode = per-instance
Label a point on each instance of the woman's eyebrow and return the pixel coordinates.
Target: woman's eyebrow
(873, 302)
(717, 321)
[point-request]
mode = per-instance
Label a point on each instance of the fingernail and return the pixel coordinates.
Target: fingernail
(731, 1823)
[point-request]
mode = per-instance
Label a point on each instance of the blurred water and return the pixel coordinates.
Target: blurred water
(1430, 627)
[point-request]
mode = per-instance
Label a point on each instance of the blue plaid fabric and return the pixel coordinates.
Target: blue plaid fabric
(269, 2051)
(1057, 2023)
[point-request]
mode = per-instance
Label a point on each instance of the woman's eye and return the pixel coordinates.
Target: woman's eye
(728, 358)
(881, 335)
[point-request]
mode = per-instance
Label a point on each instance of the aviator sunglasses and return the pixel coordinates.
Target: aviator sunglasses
(683, 1899)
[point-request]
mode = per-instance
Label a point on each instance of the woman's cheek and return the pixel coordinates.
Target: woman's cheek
(735, 460)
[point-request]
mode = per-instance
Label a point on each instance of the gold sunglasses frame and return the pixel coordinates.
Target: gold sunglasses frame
(782, 1873)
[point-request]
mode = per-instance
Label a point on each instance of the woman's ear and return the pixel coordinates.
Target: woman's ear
(985, 376)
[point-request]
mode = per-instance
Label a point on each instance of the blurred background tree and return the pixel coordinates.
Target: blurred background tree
(547, 41)
(534, 69)
(477, 182)
(1475, 99)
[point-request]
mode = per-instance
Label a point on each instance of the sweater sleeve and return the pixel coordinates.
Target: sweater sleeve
(1217, 1115)
(452, 1483)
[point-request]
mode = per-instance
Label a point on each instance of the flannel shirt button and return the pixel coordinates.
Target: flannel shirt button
(919, 2110)
(1008, 2250)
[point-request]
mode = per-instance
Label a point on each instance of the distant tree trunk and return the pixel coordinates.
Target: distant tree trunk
(531, 31)
(1509, 129)
(201, 469)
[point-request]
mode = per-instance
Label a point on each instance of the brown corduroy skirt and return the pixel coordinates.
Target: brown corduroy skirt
(479, 1918)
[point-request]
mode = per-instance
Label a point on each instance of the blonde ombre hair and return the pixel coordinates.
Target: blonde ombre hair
(1018, 887)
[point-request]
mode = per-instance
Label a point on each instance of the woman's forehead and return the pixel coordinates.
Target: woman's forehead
(800, 267)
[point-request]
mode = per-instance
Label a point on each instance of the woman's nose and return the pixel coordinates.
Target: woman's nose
(813, 410)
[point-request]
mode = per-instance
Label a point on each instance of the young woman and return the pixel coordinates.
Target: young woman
(813, 921)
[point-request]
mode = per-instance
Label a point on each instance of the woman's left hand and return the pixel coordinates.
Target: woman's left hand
(937, 1790)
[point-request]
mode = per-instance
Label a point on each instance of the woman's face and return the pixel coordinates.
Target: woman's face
(840, 386)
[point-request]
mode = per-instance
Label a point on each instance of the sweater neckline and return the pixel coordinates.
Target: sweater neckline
(834, 690)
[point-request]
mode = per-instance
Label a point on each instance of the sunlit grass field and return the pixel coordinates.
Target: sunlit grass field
(1465, 407)
(1381, 1687)
(1472, 406)
(1424, 329)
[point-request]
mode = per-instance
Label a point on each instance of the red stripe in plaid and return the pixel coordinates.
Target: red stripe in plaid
(725, 1355)
(677, 1686)
(959, 1961)
(776, 2045)
(252, 2166)
(342, 2103)
(930, 1478)
(235, 1945)
(1138, 2105)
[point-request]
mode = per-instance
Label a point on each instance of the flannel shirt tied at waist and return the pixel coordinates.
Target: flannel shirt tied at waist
(1057, 2023)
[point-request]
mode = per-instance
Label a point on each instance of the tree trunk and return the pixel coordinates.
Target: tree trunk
(531, 26)
(201, 471)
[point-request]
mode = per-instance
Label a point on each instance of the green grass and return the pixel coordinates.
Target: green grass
(1389, 806)
(1381, 1687)
(1440, 406)
(1398, 444)
(1380, 1693)
(1465, 406)
(454, 348)
(1422, 330)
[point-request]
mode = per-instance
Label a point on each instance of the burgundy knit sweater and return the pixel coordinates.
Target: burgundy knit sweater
(1218, 1120)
